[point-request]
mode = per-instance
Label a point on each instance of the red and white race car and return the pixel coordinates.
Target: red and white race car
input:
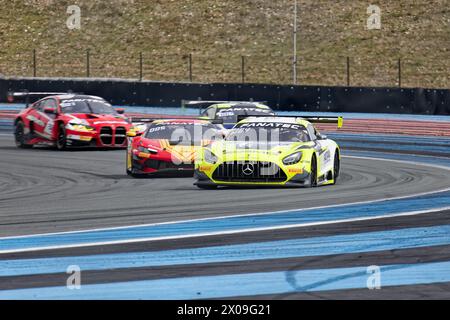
(71, 120)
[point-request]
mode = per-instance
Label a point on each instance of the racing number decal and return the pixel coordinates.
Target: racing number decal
(37, 121)
(47, 124)
(39, 125)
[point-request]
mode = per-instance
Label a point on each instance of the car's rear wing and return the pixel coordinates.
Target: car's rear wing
(26, 96)
(202, 105)
(339, 121)
(140, 124)
(152, 119)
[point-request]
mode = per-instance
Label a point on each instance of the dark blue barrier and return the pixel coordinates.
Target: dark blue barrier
(279, 97)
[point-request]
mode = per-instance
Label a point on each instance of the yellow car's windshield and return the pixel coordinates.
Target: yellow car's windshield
(270, 132)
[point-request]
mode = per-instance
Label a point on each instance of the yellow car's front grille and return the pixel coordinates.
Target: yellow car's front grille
(249, 171)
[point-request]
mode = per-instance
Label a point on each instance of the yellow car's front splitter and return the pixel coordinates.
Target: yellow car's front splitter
(298, 179)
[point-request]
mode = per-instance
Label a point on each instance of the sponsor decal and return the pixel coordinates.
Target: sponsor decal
(110, 122)
(233, 111)
(225, 114)
(156, 129)
(77, 137)
(204, 168)
(270, 125)
(168, 123)
(72, 102)
(143, 155)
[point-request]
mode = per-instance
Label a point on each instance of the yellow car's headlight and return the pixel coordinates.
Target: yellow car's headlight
(210, 157)
(293, 158)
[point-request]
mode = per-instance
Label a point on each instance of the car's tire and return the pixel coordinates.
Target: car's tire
(313, 175)
(19, 136)
(206, 186)
(336, 167)
(61, 138)
(135, 175)
(131, 172)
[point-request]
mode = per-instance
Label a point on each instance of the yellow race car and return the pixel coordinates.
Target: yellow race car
(272, 151)
(229, 111)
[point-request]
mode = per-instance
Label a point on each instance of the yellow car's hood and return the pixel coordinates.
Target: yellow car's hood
(239, 150)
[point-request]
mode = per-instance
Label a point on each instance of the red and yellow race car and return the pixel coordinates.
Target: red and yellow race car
(71, 120)
(169, 146)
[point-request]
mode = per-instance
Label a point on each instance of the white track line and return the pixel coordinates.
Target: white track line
(227, 232)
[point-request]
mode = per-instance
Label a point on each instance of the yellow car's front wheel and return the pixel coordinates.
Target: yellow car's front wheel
(313, 174)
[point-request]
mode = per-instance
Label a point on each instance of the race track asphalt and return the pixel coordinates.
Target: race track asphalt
(44, 190)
